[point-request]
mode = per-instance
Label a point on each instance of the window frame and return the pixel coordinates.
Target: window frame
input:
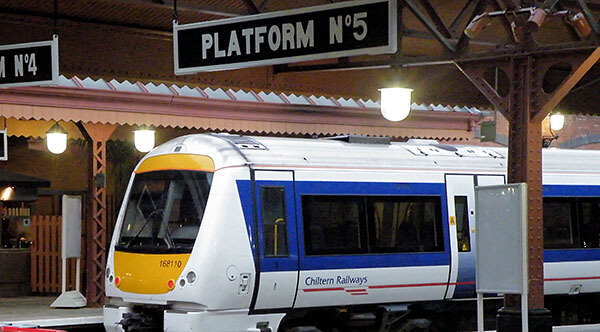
(366, 223)
(263, 224)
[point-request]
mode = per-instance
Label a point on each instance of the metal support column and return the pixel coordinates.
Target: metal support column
(525, 165)
(97, 136)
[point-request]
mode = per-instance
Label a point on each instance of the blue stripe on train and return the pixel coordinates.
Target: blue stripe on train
(354, 188)
(409, 259)
(571, 255)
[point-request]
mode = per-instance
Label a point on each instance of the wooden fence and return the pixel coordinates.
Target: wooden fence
(46, 264)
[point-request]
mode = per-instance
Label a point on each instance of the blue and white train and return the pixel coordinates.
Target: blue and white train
(252, 234)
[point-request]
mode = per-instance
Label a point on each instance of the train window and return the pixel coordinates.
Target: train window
(404, 224)
(273, 221)
(589, 218)
(334, 225)
(372, 224)
(560, 226)
(164, 211)
(461, 211)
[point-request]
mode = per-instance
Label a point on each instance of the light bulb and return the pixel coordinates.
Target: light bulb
(395, 103)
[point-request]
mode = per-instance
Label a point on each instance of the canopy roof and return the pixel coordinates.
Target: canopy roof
(214, 109)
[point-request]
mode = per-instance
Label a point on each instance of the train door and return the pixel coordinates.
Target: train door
(278, 249)
(460, 191)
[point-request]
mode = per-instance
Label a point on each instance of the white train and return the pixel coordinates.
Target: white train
(253, 234)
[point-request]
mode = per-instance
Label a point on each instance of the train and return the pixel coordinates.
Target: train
(222, 232)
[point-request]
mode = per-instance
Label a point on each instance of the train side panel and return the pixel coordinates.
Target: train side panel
(355, 286)
(571, 231)
(396, 273)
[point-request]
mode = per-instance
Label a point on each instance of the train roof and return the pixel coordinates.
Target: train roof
(361, 152)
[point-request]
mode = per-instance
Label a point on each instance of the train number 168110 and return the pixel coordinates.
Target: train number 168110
(167, 263)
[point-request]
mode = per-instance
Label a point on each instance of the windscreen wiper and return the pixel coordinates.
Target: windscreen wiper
(146, 221)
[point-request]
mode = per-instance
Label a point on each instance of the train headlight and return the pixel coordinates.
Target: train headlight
(191, 277)
(109, 275)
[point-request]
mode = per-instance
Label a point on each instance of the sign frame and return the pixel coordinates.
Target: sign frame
(54, 62)
(390, 48)
(4, 136)
(502, 212)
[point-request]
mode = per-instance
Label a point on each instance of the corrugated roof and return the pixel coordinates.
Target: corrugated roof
(246, 96)
(125, 103)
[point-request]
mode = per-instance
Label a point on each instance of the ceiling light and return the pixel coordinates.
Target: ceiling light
(56, 139)
(395, 103)
(476, 25)
(580, 24)
(143, 140)
(557, 121)
(536, 19)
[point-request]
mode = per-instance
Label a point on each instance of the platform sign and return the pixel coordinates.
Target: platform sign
(322, 32)
(501, 256)
(501, 238)
(29, 64)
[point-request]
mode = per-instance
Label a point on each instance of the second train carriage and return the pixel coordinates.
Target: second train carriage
(233, 233)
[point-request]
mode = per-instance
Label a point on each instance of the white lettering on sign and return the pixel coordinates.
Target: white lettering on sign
(356, 21)
(218, 53)
(259, 38)
(247, 33)
(20, 61)
(288, 36)
(207, 43)
(274, 38)
(18, 65)
(2, 67)
(359, 22)
(335, 30)
(305, 38)
(31, 67)
(234, 45)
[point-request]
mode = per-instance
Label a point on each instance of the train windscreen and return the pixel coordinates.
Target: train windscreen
(164, 211)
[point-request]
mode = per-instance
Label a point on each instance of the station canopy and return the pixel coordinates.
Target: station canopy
(133, 40)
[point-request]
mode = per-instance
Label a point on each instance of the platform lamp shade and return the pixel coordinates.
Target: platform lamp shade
(395, 103)
(557, 121)
(143, 139)
(56, 139)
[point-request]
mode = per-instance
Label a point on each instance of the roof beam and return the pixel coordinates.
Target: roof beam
(567, 85)
(420, 61)
(418, 34)
(10, 14)
(430, 26)
(251, 6)
(463, 42)
(468, 8)
(435, 18)
(505, 21)
(193, 6)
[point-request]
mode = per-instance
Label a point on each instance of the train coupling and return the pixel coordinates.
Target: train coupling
(142, 321)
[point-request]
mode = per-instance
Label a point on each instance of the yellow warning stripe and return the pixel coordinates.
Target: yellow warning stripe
(189, 162)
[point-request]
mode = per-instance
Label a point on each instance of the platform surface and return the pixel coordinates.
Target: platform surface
(36, 310)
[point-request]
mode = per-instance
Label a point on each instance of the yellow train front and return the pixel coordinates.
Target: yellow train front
(162, 272)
